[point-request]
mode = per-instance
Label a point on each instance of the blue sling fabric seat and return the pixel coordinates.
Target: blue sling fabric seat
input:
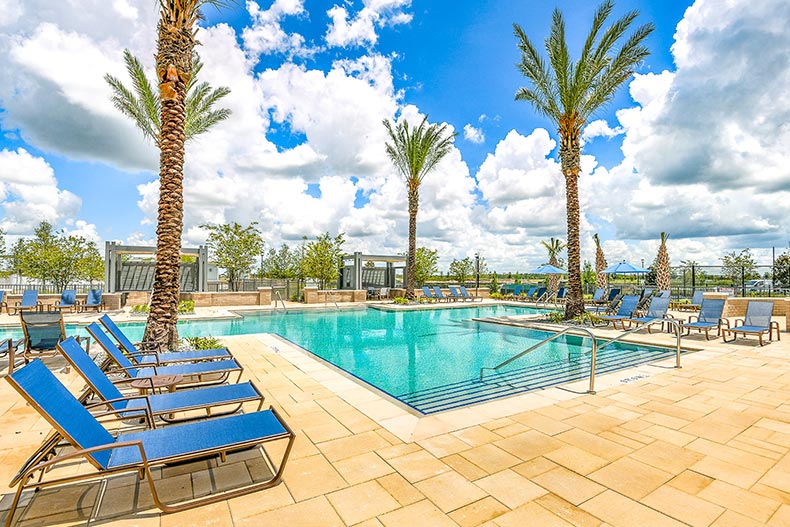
(426, 292)
(137, 452)
(656, 310)
(156, 405)
(756, 322)
(29, 302)
(218, 371)
(437, 293)
(93, 300)
(467, 296)
(68, 300)
(138, 356)
(455, 295)
(624, 312)
(709, 317)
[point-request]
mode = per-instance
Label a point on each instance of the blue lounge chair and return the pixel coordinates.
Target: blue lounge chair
(3, 303)
(696, 302)
(437, 293)
(68, 300)
(644, 299)
(664, 293)
(610, 307)
(29, 302)
(624, 311)
(93, 300)
(656, 310)
(159, 405)
(598, 296)
(541, 294)
(148, 357)
(42, 333)
(709, 317)
(526, 296)
(426, 292)
(207, 372)
(467, 296)
(756, 322)
(455, 295)
(136, 452)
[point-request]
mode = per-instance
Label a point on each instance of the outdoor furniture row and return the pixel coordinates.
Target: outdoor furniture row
(68, 300)
(455, 294)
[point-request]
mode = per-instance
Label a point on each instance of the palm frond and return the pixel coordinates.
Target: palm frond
(415, 151)
(544, 93)
(582, 73)
(559, 58)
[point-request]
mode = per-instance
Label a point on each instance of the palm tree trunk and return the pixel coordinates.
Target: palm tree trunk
(570, 157)
(411, 260)
(173, 62)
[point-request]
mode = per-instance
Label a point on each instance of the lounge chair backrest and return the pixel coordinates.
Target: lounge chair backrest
(541, 292)
(29, 298)
(531, 291)
(126, 344)
(426, 292)
(598, 295)
(464, 292)
(437, 292)
(758, 314)
(97, 380)
(45, 392)
(68, 297)
(111, 349)
(697, 298)
(710, 310)
(94, 297)
(561, 293)
(2, 294)
(42, 330)
(627, 305)
(613, 294)
(454, 291)
(517, 290)
(647, 292)
(665, 293)
(658, 307)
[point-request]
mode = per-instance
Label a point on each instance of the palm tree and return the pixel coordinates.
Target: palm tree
(415, 152)
(662, 264)
(600, 264)
(175, 46)
(141, 104)
(554, 247)
(569, 92)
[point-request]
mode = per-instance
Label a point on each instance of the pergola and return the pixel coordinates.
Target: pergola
(354, 275)
(123, 274)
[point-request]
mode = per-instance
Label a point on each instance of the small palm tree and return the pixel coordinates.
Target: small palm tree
(141, 103)
(568, 92)
(662, 264)
(415, 152)
(554, 247)
(600, 264)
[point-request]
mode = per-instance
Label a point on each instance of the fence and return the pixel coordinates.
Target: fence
(47, 289)
(288, 289)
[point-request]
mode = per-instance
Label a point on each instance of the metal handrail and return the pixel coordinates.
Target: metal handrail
(281, 300)
(595, 346)
(328, 294)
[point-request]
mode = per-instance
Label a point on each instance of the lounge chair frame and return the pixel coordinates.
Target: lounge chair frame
(41, 462)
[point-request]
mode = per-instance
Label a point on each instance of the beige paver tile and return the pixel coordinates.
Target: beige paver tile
(690, 482)
(719, 469)
(567, 511)
(400, 489)
(260, 502)
(363, 467)
(443, 445)
(739, 500)
(778, 476)
(733, 519)
(214, 515)
(418, 466)
(478, 512)
(528, 445)
(683, 507)
(669, 435)
(490, 458)
(631, 477)
(667, 456)
(311, 476)
(594, 444)
(531, 514)
(620, 511)
(464, 467)
(781, 518)
(352, 446)
(390, 452)
(568, 485)
(315, 512)
(362, 502)
(450, 491)
(542, 423)
(533, 467)
(594, 422)
(476, 435)
(510, 488)
(576, 459)
(420, 514)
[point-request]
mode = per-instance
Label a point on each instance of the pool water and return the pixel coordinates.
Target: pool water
(428, 359)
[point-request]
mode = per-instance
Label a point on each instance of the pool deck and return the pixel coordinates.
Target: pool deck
(703, 445)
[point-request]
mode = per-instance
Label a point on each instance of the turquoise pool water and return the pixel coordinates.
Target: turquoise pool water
(428, 359)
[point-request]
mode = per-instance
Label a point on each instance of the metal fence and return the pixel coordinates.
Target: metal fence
(288, 289)
(45, 289)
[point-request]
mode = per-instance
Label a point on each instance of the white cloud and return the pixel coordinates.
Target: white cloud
(347, 30)
(600, 128)
(474, 135)
(10, 12)
(266, 34)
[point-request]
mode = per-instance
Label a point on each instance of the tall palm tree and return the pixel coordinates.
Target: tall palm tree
(415, 152)
(600, 264)
(554, 247)
(663, 275)
(568, 92)
(141, 103)
(176, 42)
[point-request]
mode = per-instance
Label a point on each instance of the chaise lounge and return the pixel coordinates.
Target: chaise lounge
(756, 322)
(709, 317)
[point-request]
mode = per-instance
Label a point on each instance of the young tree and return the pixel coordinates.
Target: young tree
(235, 249)
(462, 270)
(323, 258)
(415, 152)
(782, 270)
(588, 275)
(601, 278)
(282, 263)
(569, 92)
(735, 265)
(426, 265)
(493, 286)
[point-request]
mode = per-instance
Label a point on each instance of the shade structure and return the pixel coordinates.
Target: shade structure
(548, 269)
(625, 268)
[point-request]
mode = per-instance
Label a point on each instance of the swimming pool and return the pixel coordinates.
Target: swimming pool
(429, 359)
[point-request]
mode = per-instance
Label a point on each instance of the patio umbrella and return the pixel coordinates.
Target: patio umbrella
(548, 269)
(625, 268)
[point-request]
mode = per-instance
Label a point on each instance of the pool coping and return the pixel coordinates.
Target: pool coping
(408, 425)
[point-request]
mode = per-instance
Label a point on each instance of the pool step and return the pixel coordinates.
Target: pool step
(512, 382)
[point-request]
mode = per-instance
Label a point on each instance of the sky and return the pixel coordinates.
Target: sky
(696, 143)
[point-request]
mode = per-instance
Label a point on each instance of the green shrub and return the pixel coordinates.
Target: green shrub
(401, 301)
(140, 308)
(186, 306)
(496, 296)
(556, 316)
(203, 343)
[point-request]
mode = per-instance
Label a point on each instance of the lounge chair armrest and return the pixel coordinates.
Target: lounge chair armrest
(109, 410)
(694, 317)
(738, 322)
(148, 345)
(724, 322)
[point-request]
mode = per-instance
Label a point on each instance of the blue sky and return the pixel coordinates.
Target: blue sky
(312, 80)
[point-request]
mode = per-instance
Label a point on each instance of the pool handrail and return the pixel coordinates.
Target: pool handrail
(329, 294)
(276, 292)
(595, 346)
